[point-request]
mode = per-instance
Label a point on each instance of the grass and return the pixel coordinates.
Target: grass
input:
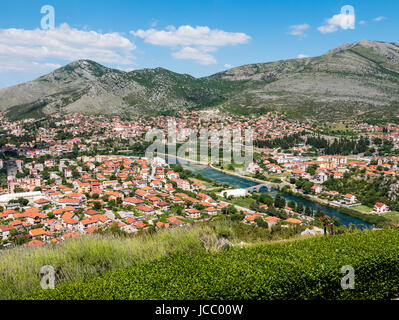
(205, 183)
(362, 208)
(392, 216)
(87, 256)
(242, 202)
(298, 270)
(94, 255)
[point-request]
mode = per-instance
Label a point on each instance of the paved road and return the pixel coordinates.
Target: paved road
(240, 208)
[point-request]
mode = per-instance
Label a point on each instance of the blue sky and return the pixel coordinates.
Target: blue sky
(198, 37)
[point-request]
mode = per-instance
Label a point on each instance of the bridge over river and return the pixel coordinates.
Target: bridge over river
(268, 186)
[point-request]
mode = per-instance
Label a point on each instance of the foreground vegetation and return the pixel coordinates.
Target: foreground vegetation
(184, 266)
(91, 256)
(306, 269)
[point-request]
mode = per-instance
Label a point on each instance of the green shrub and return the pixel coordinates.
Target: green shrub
(306, 269)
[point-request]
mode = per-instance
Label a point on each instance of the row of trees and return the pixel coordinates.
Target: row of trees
(285, 143)
(339, 146)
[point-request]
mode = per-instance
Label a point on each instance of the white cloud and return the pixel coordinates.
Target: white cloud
(37, 50)
(378, 19)
(299, 30)
(189, 36)
(228, 66)
(198, 55)
(343, 21)
(362, 22)
(192, 43)
(301, 56)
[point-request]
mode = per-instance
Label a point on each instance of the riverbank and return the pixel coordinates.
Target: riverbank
(376, 220)
(373, 219)
(243, 182)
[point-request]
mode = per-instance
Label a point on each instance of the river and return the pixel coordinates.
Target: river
(237, 182)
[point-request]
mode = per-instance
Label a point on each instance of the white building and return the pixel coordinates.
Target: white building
(380, 207)
(234, 193)
(31, 196)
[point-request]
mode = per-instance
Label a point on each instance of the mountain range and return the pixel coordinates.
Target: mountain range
(358, 80)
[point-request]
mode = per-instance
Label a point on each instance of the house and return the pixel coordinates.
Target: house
(5, 231)
(211, 211)
(146, 209)
(40, 234)
(349, 199)
(254, 168)
(380, 207)
(156, 184)
(198, 186)
(172, 175)
(161, 225)
(321, 175)
(70, 202)
(250, 219)
(296, 173)
(317, 189)
(175, 221)
(87, 223)
(193, 213)
(182, 184)
(294, 221)
(34, 243)
(163, 205)
(338, 175)
(140, 225)
(68, 173)
(132, 202)
(271, 221)
(41, 203)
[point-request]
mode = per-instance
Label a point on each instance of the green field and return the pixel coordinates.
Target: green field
(393, 216)
(362, 208)
(243, 202)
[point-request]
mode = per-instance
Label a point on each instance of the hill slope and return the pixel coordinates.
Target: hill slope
(300, 270)
(355, 80)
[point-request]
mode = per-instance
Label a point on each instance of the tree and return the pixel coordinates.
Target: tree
(307, 187)
(271, 211)
(279, 202)
(230, 210)
(261, 223)
(97, 205)
(308, 211)
(311, 169)
(299, 208)
(265, 199)
(292, 204)
(319, 213)
(23, 202)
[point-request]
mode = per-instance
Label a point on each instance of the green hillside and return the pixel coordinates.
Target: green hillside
(294, 270)
(357, 80)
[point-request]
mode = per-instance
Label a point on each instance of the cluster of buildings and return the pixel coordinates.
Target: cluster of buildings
(134, 193)
(325, 167)
(87, 133)
(57, 198)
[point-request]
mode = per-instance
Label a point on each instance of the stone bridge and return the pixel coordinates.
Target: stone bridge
(268, 186)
